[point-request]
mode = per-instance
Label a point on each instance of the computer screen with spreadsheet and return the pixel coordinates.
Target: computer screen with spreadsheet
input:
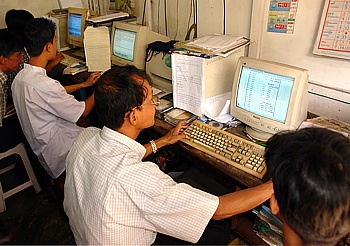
(76, 26)
(269, 97)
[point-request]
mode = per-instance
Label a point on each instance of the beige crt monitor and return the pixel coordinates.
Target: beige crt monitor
(75, 26)
(129, 43)
(269, 97)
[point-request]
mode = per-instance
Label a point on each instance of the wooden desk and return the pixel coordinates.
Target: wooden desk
(240, 177)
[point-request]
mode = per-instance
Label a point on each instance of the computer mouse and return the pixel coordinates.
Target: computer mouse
(77, 65)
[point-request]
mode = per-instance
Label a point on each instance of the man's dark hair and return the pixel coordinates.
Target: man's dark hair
(118, 91)
(37, 33)
(16, 20)
(9, 43)
(310, 169)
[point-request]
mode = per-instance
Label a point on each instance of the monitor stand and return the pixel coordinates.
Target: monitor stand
(258, 134)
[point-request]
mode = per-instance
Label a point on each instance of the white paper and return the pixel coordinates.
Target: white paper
(70, 3)
(216, 41)
(97, 48)
(217, 105)
(188, 83)
(218, 108)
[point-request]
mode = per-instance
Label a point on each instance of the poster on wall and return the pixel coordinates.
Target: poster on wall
(281, 17)
(333, 38)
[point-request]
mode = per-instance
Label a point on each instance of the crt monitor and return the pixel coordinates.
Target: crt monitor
(269, 97)
(128, 44)
(76, 26)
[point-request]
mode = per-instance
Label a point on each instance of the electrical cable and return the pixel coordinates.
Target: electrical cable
(194, 25)
(165, 19)
(196, 9)
(189, 17)
(224, 24)
(158, 16)
(177, 18)
(144, 11)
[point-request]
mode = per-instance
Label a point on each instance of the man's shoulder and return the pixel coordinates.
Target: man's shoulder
(88, 133)
(37, 78)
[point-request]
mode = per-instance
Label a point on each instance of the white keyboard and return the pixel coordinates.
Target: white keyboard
(234, 150)
(108, 17)
(69, 60)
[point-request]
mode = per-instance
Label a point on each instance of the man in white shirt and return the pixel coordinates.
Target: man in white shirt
(47, 113)
(113, 197)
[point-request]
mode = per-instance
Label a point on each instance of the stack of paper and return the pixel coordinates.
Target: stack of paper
(214, 44)
(268, 226)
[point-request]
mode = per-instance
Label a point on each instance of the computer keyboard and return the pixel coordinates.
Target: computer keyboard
(108, 17)
(69, 60)
(234, 150)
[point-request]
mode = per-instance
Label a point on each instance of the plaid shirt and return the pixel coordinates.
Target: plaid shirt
(12, 74)
(3, 96)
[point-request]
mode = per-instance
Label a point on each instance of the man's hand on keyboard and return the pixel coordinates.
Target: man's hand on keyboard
(92, 79)
(176, 133)
(57, 59)
(51, 64)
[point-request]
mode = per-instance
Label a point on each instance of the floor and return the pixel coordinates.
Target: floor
(30, 218)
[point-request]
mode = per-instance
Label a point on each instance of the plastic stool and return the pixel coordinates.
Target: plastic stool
(21, 151)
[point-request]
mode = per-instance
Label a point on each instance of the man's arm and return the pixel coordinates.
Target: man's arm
(171, 137)
(53, 63)
(89, 82)
(243, 200)
(89, 104)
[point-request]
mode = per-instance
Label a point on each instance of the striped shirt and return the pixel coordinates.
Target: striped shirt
(3, 96)
(113, 198)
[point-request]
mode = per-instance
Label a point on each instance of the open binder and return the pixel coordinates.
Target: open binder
(213, 44)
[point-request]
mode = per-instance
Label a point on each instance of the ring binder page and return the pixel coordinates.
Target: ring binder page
(97, 48)
(188, 83)
(214, 44)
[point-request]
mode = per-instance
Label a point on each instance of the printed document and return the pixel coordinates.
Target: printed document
(97, 48)
(188, 83)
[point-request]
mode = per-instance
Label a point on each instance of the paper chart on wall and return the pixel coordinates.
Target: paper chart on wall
(333, 37)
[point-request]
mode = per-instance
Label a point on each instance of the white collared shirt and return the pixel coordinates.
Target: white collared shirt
(47, 114)
(113, 198)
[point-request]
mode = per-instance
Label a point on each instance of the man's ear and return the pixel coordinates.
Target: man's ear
(49, 47)
(2, 60)
(275, 209)
(132, 117)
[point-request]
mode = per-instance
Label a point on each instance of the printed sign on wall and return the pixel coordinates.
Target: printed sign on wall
(281, 17)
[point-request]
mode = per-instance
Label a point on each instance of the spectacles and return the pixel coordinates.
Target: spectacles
(155, 102)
